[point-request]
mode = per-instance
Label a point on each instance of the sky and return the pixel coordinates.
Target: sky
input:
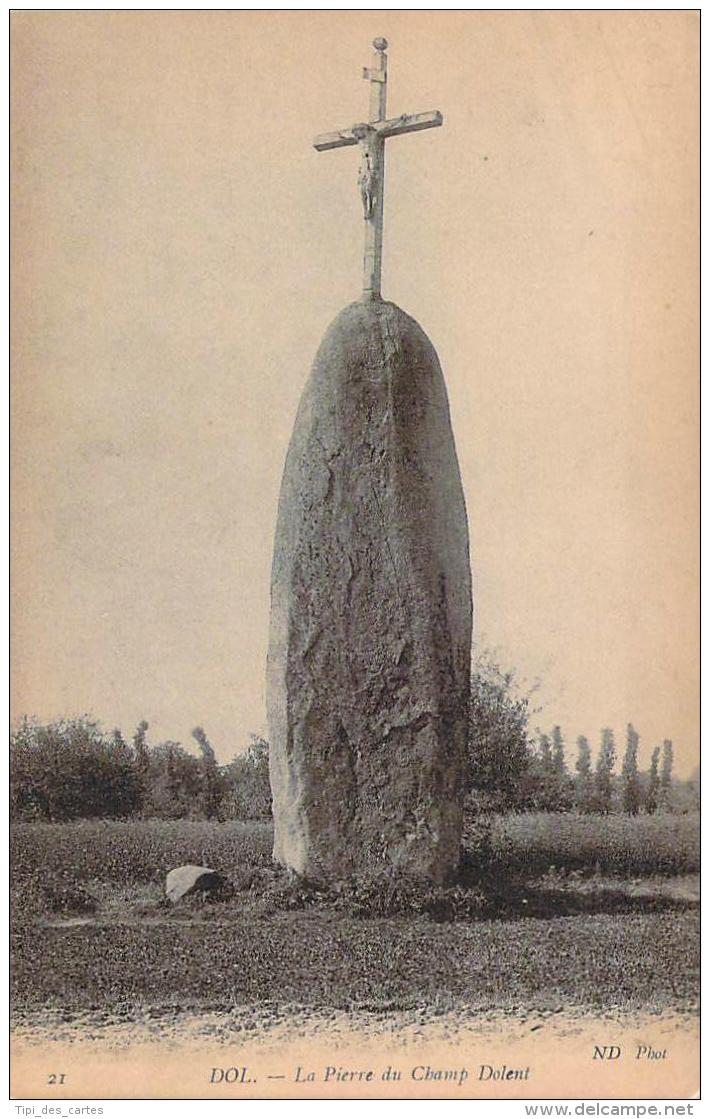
(179, 249)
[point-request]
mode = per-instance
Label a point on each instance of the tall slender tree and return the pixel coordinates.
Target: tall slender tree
(631, 786)
(544, 753)
(664, 797)
(652, 788)
(140, 747)
(584, 782)
(561, 780)
(602, 774)
(211, 792)
(558, 752)
(550, 788)
(141, 753)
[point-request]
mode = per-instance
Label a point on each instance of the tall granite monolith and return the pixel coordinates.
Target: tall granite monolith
(369, 651)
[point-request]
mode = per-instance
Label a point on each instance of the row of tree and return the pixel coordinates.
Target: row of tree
(597, 788)
(511, 769)
(72, 768)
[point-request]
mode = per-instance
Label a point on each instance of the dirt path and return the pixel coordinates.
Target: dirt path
(273, 1025)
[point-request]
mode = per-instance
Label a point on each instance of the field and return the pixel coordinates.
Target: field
(583, 913)
(145, 850)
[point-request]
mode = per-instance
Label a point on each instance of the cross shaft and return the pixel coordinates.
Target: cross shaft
(371, 136)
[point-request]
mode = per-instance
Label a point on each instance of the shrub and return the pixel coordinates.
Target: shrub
(70, 768)
(246, 785)
(56, 893)
(63, 895)
(498, 745)
(388, 893)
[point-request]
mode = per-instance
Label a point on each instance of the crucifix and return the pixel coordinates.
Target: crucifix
(371, 138)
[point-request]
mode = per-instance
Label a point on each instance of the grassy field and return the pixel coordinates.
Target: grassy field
(616, 845)
(315, 959)
(144, 851)
(600, 917)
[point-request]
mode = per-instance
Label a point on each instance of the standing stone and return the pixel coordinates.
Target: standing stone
(369, 652)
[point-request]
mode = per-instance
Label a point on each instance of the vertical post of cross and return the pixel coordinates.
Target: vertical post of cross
(370, 138)
(377, 76)
(373, 156)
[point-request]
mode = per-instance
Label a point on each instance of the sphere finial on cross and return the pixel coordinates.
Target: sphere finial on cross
(380, 44)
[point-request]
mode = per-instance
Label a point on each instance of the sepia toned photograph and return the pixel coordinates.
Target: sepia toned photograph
(354, 538)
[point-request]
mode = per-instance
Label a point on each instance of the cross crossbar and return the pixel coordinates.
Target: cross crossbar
(371, 138)
(408, 122)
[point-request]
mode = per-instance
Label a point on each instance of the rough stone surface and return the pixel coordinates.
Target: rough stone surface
(188, 879)
(369, 651)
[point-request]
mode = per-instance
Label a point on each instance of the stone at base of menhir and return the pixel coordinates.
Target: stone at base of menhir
(190, 879)
(369, 653)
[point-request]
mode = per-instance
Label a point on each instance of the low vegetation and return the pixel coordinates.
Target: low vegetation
(143, 851)
(614, 845)
(312, 959)
(91, 928)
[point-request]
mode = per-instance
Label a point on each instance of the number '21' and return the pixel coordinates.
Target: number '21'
(56, 1078)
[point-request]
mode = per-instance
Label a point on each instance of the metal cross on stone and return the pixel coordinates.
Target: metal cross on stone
(371, 137)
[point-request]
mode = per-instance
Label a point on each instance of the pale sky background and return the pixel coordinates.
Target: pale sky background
(179, 250)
